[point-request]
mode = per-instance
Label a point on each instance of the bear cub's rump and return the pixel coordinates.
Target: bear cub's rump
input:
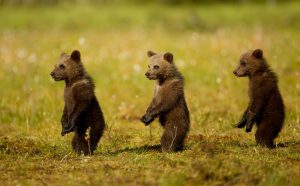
(81, 110)
(168, 103)
(265, 107)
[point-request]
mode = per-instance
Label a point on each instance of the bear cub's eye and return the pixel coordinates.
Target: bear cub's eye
(156, 67)
(61, 66)
(243, 63)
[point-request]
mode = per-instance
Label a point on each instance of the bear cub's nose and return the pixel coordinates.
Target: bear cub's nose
(147, 74)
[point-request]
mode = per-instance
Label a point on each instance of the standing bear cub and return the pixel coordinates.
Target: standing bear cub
(168, 102)
(81, 110)
(265, 107)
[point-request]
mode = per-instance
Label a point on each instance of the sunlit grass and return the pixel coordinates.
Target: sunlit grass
(114, 53)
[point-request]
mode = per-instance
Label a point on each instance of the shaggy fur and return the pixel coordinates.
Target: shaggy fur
(81, 110)
(266, 107)
(168, 102)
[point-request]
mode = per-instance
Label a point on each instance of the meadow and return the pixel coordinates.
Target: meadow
(206, 40)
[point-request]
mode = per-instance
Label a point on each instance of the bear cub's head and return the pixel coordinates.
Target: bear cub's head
(68, 67)
(250, 63)
(159, 65)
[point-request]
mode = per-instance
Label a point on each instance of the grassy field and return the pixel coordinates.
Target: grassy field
(206, 41)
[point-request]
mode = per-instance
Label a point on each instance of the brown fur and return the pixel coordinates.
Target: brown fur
(168, 102)
(266, 107)
(81, 110)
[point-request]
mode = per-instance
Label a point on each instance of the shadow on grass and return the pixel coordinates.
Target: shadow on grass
(145, 149)
(231, 141)
(139, 150)
(288, 144)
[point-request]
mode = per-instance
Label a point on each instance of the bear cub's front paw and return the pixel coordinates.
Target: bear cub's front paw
(248, 129)
(239, 125)
(65, 131)
(146, 119)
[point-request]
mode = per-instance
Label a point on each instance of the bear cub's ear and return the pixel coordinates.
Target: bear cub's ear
(150, 53)
(168, 57)
(258, 53)
(62, 54)
(75, 55)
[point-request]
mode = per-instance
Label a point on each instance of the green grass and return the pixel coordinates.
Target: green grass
(206, 41)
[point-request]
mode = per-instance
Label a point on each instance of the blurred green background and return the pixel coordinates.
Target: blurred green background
(206, 38)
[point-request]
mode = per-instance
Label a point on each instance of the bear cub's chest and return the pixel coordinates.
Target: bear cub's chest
(69, 101)
(157, 89)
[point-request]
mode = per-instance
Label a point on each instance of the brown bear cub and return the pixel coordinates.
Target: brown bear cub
(168, 103)
(81, 110)
(265, 107)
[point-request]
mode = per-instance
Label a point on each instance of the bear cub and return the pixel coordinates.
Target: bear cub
(265, 107)
(168, 103)
(81, 110)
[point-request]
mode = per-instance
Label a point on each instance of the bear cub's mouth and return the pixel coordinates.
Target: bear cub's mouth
(56, 78)
(238, 75)
(151, 77)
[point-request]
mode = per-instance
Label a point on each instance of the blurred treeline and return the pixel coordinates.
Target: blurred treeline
(168, 2)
